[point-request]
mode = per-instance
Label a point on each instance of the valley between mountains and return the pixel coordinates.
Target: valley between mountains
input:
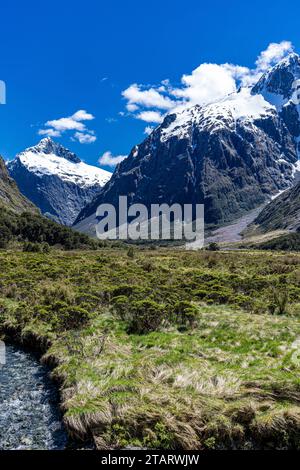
(233, 155)
(149, 345)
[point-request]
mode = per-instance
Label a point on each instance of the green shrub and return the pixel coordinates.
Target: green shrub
(213, 246)
(121, 306)
(160, 437)
(185, 314)
(31, 247)
(46, 248)
(129, 290)
(73, 317)
(5, 236)
(200, 294)
(279, 302)
(22, 314)
(289, 242)
(123, 290)
(145, 316)
(147, 266)
(57, 292)
(34, 228)
(131, 252)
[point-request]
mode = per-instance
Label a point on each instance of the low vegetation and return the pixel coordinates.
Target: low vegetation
(164, 348)
(289, 242)
(38, 233)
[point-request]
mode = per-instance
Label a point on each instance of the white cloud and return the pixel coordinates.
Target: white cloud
(82, 115)
(108, 159)
(71, 122)
(65, 124)
(150, 116)
(148, 98)
(49, 132)
(85, 138)
(206, 84)
(273, 53)
(56, 127)
(238, 72)
(131, 107)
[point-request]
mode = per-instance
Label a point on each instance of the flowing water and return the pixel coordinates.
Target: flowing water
(29, 416)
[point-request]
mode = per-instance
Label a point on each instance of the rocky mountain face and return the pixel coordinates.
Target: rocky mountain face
(283, 213)
(281, 87)
(10, 196)
(56, 180)
(232, 155)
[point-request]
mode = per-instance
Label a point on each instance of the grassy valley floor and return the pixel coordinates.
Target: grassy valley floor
(164, 348)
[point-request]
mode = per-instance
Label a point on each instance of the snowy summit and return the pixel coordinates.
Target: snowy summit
(51, 158)
(56, 180)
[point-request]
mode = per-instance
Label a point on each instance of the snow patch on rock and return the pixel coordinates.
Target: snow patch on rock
(50, 158)
(242, 106)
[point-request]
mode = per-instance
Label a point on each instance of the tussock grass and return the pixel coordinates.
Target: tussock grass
(218, 372)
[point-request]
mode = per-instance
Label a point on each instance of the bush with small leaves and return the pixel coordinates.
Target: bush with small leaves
(121, 305)
(279, 304)
(45, 248)
(129, 290)
(145, 316)
(123, 289)
(213, 246)
(147, 266)
(22, 314)
(5, 236)
(131, 252)
(185, 314)
(73, 317)
(57, 292)
(31, 247)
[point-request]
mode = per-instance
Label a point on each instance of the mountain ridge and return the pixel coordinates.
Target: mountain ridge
(56, 180)
(283, 213)
(232, 155)
(10, 196)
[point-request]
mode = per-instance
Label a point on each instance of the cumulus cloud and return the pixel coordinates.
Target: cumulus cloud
(49, 132)
(131, 107)
(82, 115)
(75, 122)
(273, 53)
(206, 84)
(150, 116)
(65, 124)
(108, 159)
(149, 98)
(83, 138)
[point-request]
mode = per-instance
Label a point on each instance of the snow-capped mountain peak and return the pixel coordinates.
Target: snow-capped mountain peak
(223, 114)
(232, 154)
(276, 88)
(56, 180)
(278, 85)
(48, 146)
(51, 158)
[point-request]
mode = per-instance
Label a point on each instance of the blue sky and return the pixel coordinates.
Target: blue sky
(60, 57)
